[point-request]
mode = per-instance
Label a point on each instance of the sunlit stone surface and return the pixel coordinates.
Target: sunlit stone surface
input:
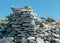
(27, 28)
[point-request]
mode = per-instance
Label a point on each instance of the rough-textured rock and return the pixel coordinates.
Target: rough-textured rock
(23, 23)
(25, 27)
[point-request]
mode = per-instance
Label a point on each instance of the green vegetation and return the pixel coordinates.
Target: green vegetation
(9, 20)
(58, 42)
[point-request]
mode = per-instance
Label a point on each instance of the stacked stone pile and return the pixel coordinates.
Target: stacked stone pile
(25, 27)
(23, 24)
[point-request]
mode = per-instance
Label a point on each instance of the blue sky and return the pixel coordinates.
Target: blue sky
(44, 8)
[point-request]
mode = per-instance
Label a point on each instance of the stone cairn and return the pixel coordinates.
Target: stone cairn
(23, 24)
(24, 27)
